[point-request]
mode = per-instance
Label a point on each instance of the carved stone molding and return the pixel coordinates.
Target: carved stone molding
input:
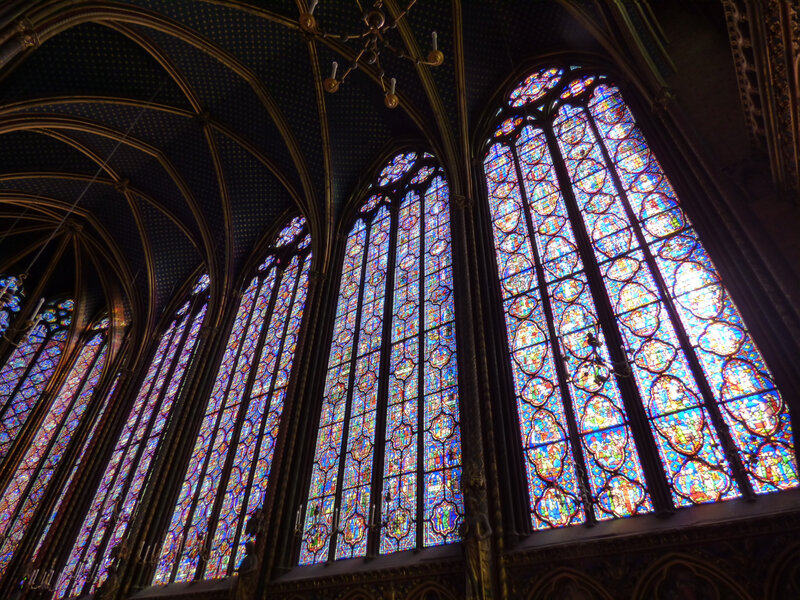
(765, 43)
(401, 582)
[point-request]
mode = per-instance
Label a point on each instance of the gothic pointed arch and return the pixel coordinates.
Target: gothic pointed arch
(637, 384)
(220, 501)
(567, 584)
(386, 470)
(682, 576)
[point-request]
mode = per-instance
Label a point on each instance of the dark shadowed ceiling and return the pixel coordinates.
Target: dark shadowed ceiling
(200, 124)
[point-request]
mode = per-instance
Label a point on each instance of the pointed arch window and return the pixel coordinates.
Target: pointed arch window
(118, 494)
(9, 300)
(33, 473)
(623, 341)
(28, 370)
(387, 463)
(230, 465)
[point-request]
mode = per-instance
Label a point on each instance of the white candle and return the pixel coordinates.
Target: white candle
(392, 84)
(334, 66)
(434, 38)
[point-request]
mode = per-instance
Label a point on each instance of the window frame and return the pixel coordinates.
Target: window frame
(352, 213)
(686, 178)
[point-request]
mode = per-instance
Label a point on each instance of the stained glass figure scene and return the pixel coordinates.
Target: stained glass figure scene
(31, 478)
(29, 368)
(120, 489)
(613, 308)
(387, 464)
(242, 420)
(10, 298)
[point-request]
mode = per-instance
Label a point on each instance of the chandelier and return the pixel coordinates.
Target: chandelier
(368, 45)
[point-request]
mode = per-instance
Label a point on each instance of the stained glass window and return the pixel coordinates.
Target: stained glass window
(117, 497)
(79, 460)
(387, 465)
(29, 481)
(10, 296)
(29, 368)
(622, 338)
(242, 419)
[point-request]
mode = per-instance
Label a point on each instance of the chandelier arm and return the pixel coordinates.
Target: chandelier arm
(404, 12)
(352, 66)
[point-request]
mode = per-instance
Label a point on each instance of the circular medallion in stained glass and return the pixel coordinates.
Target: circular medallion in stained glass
(397, 168)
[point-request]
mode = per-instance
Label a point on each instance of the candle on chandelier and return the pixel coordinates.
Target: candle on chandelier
(434, 39)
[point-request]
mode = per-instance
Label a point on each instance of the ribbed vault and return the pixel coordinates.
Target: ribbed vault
(199, 124)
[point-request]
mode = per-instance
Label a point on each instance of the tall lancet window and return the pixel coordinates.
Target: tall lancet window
(387, 464)
(26, 374)
(31, 477)
(118, 494)
(230, 465)
(623, 341)
(10, 293)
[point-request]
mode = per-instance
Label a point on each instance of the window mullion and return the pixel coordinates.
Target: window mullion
(249, 386)
(634, 407)
(382, 403)
(710, 403)
(419, 522)
(349, 400)
(558, 358)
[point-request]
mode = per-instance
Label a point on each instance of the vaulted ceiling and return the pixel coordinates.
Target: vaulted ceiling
(183, 131)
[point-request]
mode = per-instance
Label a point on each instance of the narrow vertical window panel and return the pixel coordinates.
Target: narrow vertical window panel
(229, 468)
(441, 462)
(150, 444)
(751, 405)
(317, 526)
(29, 389)
(399, 501)
(550, 464)
(33, 473)
(359, 452)
(90, 438)
(18, 362)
